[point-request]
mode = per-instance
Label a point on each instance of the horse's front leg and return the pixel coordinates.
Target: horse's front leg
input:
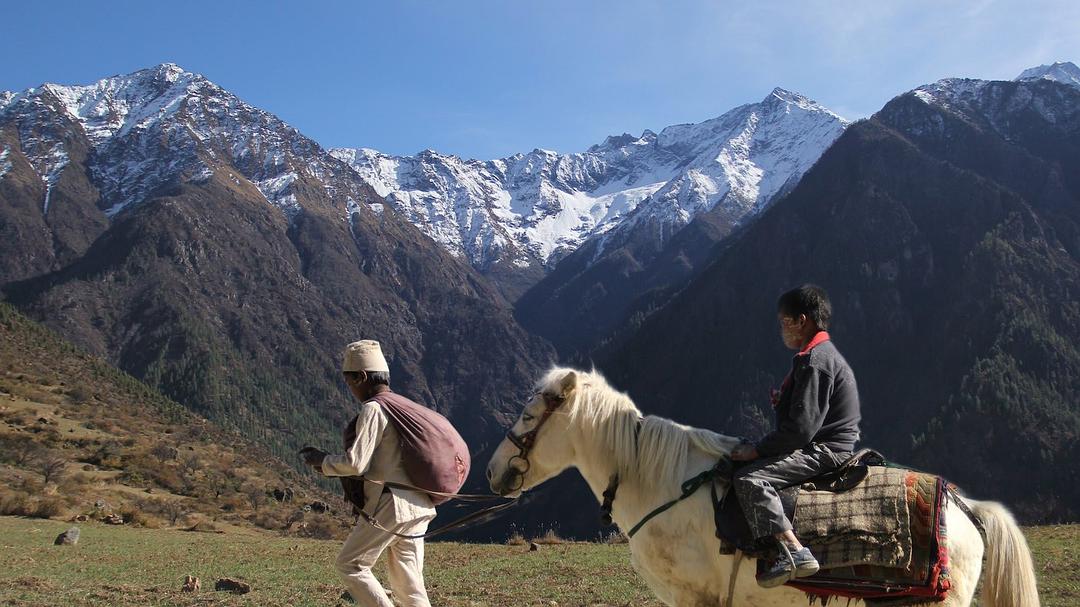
(658, 586)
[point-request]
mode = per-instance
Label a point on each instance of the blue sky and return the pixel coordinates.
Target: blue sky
(487, 79)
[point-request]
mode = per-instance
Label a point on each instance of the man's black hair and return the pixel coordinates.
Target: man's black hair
(810, 300)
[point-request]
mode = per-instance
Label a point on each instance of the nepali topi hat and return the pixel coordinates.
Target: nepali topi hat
(364, 355)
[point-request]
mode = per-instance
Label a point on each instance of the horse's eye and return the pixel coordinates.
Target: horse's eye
(525, 417)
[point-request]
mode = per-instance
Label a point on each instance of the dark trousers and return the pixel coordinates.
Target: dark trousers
(756, 484)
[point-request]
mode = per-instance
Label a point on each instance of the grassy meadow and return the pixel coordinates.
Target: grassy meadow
(127, 566)
(118, 565)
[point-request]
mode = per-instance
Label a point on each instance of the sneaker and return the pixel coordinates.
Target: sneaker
(805, 563)
(780, 571)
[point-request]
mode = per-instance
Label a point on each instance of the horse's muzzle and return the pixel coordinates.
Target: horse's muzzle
(510, 482)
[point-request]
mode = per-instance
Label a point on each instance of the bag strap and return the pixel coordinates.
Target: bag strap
(465, 497)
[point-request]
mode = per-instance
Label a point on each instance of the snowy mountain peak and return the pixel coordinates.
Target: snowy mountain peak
(534, 208)
(163, 125)
(1064, 72)
(792, 98)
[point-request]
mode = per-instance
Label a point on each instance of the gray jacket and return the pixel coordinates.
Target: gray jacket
(819, 405)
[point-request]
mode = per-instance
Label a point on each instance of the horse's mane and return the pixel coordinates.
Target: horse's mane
(653, 452)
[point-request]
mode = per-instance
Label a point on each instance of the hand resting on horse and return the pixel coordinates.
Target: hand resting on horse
(744, 453)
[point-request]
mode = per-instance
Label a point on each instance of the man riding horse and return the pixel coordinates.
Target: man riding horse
(817, 426)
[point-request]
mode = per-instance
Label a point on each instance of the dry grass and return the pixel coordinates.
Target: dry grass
(63, 450)
(125, 567)
(550, 537)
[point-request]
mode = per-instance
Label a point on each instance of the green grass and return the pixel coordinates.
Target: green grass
(124, 566)
(1056, 550)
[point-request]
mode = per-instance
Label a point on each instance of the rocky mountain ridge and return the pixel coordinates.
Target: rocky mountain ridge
(526, 212)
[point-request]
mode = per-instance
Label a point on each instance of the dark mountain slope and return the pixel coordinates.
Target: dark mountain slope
(947, 242)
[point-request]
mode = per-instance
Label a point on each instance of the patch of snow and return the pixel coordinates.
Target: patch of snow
(5, 164)
(924, 96)
(204, 174)
(278, 191)
(55, 163)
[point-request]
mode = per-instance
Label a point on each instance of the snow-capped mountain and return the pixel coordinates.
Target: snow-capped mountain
(207, 247)
(535, 208)
(998, 104)
(157, 125)
(1064, 72)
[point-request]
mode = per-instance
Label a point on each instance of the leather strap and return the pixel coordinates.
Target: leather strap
(734, 576)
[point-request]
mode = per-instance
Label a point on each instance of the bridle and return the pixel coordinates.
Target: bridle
(527, 440)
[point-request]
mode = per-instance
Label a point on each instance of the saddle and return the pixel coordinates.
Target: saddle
(734, 531)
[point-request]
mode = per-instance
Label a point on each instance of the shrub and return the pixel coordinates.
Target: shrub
(515, 539)
(80, 394)
(164, 453)
(273, 520)
(14, 503)
(107, 455)
(19, 450)
(549, 537)
(203, 525)
(255, 494)
(31, 485)
(132, 478)
(135, 517)
(48, 508)
(51, 467)
(75, 483)
(323, 527)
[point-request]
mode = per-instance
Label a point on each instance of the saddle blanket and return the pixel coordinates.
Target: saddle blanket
(908, 569)
(866, 525)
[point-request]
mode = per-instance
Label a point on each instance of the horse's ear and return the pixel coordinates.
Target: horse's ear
(567, 384)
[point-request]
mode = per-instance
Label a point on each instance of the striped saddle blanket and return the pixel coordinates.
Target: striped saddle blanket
(882, 541)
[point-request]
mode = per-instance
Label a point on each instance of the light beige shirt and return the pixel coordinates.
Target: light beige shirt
(376, 455)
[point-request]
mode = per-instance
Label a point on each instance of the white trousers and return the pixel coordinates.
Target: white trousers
(405, 562)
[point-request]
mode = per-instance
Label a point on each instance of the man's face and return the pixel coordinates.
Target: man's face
(793, 330)
(355, 382)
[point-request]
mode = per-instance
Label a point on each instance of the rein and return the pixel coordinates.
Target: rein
(460, 523)
(689, 487)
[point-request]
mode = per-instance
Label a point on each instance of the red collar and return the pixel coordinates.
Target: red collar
(819, 338)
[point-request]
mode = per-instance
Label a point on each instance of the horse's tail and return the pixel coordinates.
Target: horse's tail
(1010, 573)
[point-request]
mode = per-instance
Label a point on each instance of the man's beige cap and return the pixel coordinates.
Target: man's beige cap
(364, 355)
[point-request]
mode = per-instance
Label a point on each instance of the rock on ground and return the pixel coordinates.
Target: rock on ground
(68, 538)
(233, 586)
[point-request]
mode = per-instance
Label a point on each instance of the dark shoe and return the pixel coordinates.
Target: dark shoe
(779, 571)
(805, 563)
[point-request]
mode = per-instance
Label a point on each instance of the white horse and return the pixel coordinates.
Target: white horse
(577, 420)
